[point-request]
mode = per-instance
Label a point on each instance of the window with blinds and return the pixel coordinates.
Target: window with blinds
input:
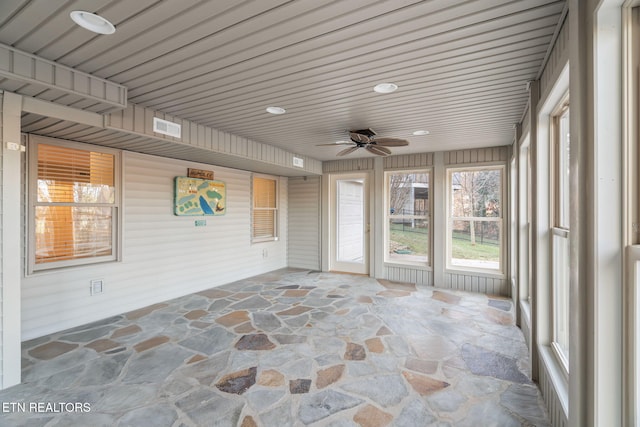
(74, 198)
(265, 209)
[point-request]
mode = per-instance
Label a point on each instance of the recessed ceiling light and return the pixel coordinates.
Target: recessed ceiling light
(385, 87)
(92, 22)
(421, 132)
(276, 110)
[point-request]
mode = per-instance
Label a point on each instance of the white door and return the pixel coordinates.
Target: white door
(349, 224)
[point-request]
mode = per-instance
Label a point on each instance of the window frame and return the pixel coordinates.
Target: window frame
(387, 216)
(558, 229)
(32, 268)
(502, 271)
(276, 209)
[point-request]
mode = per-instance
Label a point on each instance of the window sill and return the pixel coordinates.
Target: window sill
(413, 265)
(74, 267)
(265, 240)
(475, 272)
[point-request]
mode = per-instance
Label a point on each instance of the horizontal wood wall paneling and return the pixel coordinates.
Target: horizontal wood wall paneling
(164, 256)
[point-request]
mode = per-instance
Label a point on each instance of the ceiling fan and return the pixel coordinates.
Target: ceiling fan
(365, 138)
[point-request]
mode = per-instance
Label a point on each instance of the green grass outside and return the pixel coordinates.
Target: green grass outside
(463, 249)
(416, 241)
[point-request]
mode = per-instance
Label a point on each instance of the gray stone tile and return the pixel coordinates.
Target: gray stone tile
(104, 370)
(385, 390)
(122, 398)
(265, 321)
(488, 363)
(318, 406)
(415, 413)
(482, 361)
(254, 302)
(216, 411)
(209, 342)
(524, 401)
(491, 414)
(92, 419)
(61, 363)
(280, 416)
(300, 368)
(260, 400)
(157, 415)
(446, 401)
(155, 365)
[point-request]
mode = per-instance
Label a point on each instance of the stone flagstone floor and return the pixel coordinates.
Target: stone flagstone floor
(288, 348)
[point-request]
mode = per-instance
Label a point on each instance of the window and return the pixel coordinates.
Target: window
(408, 217)
(74, 199)
(475, 218)
(265, 209)
(560, 140)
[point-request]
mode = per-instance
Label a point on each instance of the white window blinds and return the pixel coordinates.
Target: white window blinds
(264, 208)
(75, 205)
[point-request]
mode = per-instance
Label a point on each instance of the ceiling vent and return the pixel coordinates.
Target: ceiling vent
(166, 127)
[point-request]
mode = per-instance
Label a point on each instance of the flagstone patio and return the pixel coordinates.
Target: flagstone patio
(288, 348)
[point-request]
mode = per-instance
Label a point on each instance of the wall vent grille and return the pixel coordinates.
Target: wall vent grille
(166, 127)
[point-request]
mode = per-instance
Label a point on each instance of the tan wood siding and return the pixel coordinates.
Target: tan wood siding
(304, 222)
(408, 161)
(478, 155)
(347, 165)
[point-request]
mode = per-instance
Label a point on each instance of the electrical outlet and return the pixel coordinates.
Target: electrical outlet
(97, 286)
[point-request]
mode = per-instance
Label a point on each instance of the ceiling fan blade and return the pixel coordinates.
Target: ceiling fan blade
(380, 151)
(334, 144)
(391, 142)
(358, 137)
(347, 151)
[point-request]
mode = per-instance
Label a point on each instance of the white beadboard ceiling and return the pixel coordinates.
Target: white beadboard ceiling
(462, 66)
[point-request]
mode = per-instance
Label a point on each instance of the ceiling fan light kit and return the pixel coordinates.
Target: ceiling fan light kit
(366, 138)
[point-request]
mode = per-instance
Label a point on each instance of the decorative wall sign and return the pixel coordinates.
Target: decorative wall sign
(197, 197)
(199, 173)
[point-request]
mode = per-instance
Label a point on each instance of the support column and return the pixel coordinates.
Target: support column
(10, 322)
(439, 261)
